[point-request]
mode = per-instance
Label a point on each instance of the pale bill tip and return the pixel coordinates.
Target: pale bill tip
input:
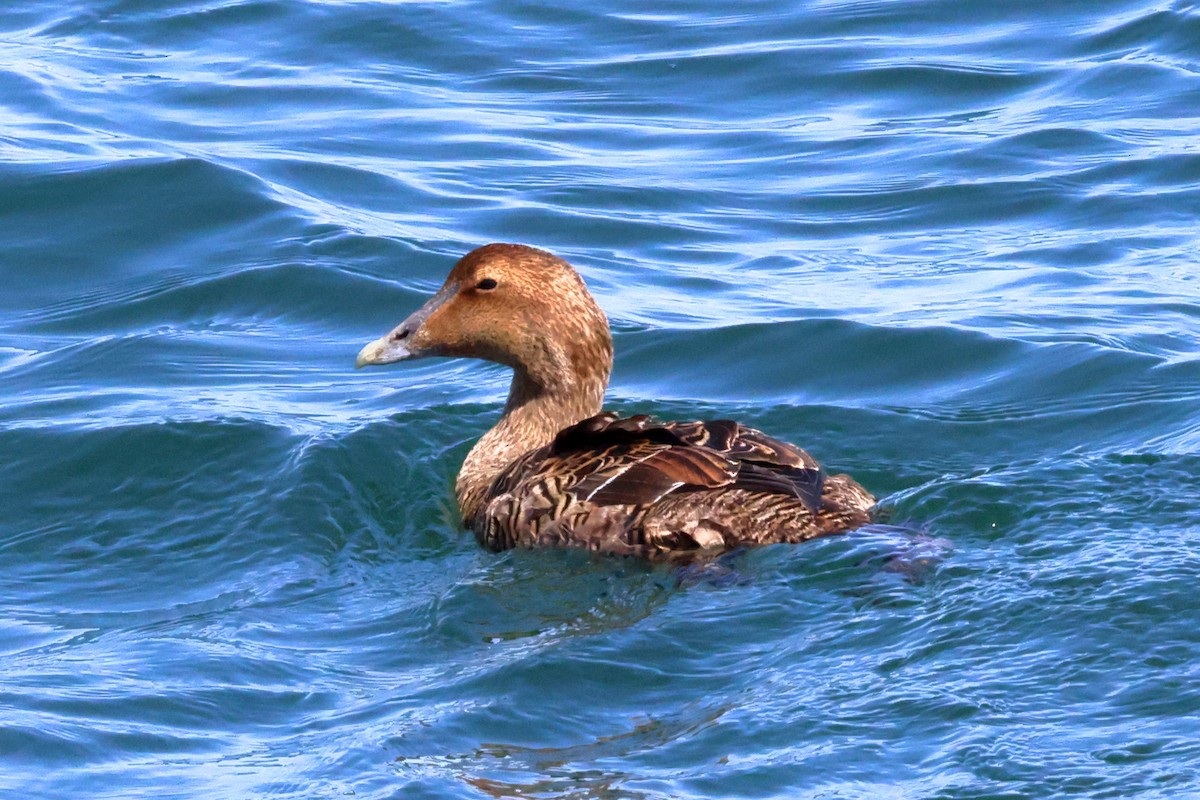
(368, 355)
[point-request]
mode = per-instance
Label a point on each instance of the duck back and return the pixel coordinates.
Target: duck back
(639, 487)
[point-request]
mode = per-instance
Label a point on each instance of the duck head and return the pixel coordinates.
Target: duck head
(514, 305)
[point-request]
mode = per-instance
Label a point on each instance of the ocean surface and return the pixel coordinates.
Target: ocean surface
(950, 247)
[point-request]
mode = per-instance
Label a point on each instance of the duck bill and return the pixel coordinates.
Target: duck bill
(399, 344)
(382, 351)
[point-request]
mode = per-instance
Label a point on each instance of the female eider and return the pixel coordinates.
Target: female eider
(556, 472)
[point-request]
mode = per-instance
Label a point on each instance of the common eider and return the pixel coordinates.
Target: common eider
(557, 472)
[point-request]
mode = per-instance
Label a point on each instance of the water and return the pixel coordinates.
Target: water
(949, 247)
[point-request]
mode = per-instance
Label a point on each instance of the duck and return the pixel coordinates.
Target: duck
(558, 471)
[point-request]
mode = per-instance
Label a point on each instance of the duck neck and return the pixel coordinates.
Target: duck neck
(538, 407)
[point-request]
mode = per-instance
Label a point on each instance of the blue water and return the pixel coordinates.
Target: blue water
(948, 247)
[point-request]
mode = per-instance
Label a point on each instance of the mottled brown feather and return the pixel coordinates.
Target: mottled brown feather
(643, 483)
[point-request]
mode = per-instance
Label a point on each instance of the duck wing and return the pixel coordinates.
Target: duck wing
(634, 484)
(635, 461)
(766, 464)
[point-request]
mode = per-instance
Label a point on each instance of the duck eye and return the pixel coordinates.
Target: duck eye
(487, 284)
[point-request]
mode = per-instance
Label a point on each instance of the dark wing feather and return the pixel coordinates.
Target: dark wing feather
(767, 464)
(806, 485)
(742, 443)
(638, 461)
(638, 471)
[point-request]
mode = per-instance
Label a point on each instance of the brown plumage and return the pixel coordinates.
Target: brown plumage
(555, 472)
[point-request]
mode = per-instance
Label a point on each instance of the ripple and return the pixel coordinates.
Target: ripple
(947, 246)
